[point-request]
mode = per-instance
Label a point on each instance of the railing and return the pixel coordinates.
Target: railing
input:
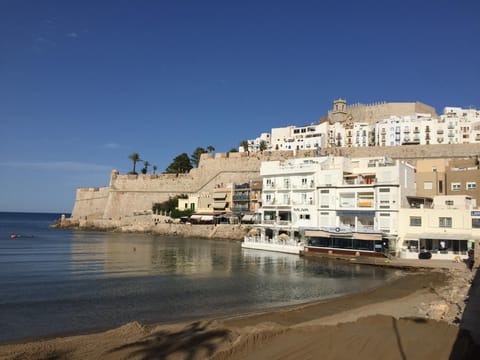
(241, 198)
(275, 241)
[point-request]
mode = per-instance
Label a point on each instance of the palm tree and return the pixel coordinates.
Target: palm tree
(210, 148)
(244, 144)
(146, 164)
(263, 145)
(135, 157)
(154, 169)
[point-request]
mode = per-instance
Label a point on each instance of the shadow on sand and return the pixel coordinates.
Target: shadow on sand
(466, 345)
(190, 341)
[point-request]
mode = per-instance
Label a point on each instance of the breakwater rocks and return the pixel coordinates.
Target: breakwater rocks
(160, 226)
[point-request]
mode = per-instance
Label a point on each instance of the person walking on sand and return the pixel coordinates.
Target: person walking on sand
(471, 258)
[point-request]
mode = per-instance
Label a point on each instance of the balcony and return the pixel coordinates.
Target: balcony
(241, 198)
(359, 179)
(364, 204)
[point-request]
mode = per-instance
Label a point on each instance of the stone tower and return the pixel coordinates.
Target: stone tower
(339, 111)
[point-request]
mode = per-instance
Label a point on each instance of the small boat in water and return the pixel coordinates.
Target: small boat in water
(16, 236)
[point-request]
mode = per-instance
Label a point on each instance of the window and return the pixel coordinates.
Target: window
(304, 181)
(427, 185)
(415, 221)
(384, 190)
(445, 222)
(440, 186)
(304, 198)
(476, 223)
(305, 216)
(456, 186)
(449, 202)
(471, 185)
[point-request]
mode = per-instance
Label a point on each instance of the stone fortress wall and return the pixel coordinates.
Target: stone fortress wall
(129, 195)
(370, 113)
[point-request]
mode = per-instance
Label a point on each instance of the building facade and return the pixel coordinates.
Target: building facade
(446, 228)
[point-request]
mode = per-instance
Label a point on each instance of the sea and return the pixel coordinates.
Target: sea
(62, 282)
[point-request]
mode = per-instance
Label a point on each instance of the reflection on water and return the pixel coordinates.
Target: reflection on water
(132, 255)
(66, 281)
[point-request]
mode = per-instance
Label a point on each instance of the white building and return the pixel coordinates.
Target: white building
(446, 227)
(299, 138)
(363, 196)
(455, 126)
(256, 145)
(334, 194)
(463, 124)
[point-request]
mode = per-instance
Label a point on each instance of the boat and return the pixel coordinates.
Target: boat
(16, 236)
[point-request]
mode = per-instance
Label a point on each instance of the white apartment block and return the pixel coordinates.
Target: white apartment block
(463, 124)
(364, 194)
(299, 138)
(255, 145)
(334, 192)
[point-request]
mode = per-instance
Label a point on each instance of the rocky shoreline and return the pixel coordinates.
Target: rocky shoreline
(159, 225)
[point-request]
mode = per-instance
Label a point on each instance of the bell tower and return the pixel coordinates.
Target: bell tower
(339, 111)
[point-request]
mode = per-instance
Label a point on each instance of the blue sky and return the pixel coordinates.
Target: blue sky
(83, 84)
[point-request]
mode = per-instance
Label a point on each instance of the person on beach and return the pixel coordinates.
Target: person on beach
(471, 258)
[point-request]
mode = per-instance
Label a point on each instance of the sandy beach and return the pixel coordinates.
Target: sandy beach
(416, 316)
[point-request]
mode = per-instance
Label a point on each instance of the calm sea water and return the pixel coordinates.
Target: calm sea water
(56, 281)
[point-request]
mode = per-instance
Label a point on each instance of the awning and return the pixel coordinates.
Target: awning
(195, 217)
(207, 218)
(317, 233)
(219, 205)
(321, 233)
(248, 217)
(444, 236)
(438, 236)
(367, 236)
(219, 195)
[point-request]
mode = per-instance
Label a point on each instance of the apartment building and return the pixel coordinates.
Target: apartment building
(299, 138)
(324, 197)
(448, 177)
(358, 205)
(446, 227)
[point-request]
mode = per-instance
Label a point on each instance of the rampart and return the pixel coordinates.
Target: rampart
(127, 195)
(371, 113)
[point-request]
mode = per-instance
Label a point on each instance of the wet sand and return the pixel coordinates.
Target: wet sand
(415, 316)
